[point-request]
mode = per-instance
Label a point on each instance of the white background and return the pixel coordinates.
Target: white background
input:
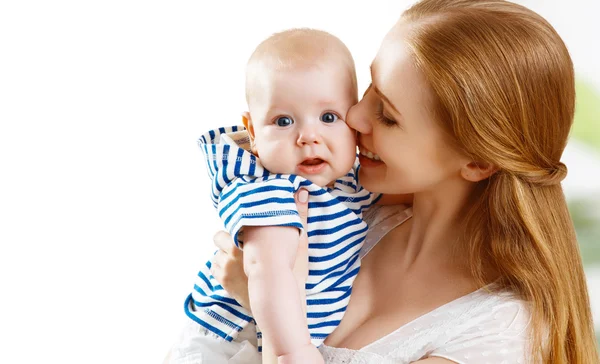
(105, 215)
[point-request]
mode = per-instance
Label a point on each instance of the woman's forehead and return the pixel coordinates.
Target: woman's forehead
(393, 68)
(393, 54)
(395, 74)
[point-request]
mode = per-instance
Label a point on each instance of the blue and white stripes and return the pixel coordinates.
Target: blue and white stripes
(245, 194)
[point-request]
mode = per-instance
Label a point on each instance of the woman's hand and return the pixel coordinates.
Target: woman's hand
(228, 268)
(228, 262)
(301, 263)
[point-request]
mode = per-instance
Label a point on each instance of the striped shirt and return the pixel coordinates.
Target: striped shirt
(246, 194)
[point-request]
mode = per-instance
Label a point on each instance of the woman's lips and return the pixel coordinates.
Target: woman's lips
(368, 158)
(368, 162)
(367, 153)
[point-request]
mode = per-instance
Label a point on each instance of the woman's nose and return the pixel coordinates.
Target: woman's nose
(359, 117)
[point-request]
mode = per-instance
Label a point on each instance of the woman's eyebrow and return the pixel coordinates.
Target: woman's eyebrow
(384, 98)
(379, 93)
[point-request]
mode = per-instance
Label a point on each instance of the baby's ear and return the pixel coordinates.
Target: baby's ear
(247, 121)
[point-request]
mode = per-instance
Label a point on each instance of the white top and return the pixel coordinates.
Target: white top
(481, 327)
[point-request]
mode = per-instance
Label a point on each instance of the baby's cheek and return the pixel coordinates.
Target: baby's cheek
(277, 159)
(346, 157)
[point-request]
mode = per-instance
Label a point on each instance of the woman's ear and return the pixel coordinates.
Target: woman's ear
(477, 171)
(247, 121)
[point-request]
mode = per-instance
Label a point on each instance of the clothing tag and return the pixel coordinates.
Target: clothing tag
(241, 138)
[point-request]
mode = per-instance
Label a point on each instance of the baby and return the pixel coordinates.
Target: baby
(300, 84)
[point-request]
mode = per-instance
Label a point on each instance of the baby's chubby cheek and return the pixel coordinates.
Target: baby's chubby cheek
(345, 155)
(276, 158)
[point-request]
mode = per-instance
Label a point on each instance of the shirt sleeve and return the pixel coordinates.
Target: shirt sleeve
(503, 337)
(259, 202)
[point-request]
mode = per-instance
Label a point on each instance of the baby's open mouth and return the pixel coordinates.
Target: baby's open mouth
(312, 166)
(312, 162)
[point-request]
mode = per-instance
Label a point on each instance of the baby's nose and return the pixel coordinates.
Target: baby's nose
(309, 134)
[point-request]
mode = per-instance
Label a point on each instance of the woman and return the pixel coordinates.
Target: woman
(470, 108)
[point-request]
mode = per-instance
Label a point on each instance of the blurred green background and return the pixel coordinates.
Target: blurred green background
(586, 211)
(587, 115)
(583, 191)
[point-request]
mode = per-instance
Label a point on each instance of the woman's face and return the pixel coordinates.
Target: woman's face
(402, 147)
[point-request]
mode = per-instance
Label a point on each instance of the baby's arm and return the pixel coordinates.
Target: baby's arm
(269, 256)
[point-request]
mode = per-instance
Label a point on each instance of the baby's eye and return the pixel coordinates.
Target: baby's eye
(329, 117)
(284, 121)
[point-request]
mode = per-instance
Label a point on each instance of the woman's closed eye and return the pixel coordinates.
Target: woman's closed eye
(384, 119)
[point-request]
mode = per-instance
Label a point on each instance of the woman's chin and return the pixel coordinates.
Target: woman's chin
(369, 181)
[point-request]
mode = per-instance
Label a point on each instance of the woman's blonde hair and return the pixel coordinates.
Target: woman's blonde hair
(504, 84)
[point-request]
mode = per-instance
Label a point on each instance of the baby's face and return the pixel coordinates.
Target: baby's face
(298, 122)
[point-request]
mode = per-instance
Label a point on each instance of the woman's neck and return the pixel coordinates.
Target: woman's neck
(437, 218)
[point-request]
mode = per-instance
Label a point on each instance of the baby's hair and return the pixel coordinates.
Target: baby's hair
(297, 49)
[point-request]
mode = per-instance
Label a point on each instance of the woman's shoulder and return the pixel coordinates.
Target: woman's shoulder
(491, 326)
(487, 325)
(493, 306)
(500, 312)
